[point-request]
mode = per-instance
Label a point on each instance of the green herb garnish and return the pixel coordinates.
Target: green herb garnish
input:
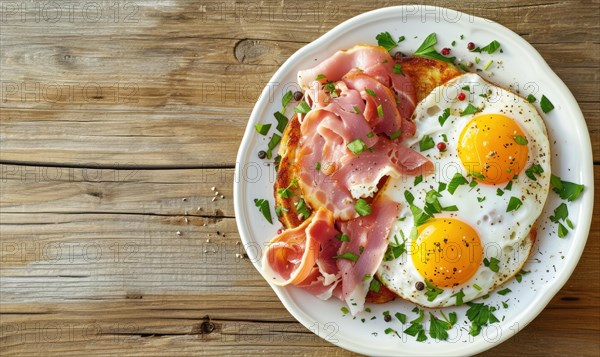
(263, 207)
(362, 207)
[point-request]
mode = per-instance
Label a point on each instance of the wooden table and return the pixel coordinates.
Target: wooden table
(117, 119)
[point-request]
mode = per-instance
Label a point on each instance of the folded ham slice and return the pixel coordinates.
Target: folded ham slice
(332, 176)
(368, 239)
(303, 256)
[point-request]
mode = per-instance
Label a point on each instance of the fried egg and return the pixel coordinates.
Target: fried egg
(469, 226)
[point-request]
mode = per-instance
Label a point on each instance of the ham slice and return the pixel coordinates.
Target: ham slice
(343, 175)
(371, 233)
(303, 256)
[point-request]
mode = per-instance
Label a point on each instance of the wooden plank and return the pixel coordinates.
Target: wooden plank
(112, 277)
(163, 85)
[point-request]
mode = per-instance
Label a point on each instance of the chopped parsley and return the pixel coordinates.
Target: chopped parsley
(374, 286)
(521, 140)
(418, 180)
(426, 143)
(262, 129)
(546, 105)
(519, 275)
(438, 328)
(456, 181)
(370, 92)
(531, 98)
(320, 76)
(480, 315)
(445, 115)
(470, 109)
(416, 327)
(427, 49)
(302, 108)
(348, 256)
(561, 213)
(318, 166)
(401, 317)
(492, 264)
(303, 208)
(459, 297)
(419, 215)
(490, 48)
(357, 146)
(282, 121)
(441, 186)
(285, 100)
(533, 170)
(432, 291)
(396, 134)
(394, 250)
(379, 110)
(566, 190)
(263, 207)
(514, 204)
(356, 110)
(275, 139)
(504, 291)
(488, 65)
(362, 207)
(345, 310)
(343, 237)
(398, 69)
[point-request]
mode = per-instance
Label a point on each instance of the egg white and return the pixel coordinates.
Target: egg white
(504, 235)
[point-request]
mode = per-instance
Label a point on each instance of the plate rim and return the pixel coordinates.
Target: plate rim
(587, 174)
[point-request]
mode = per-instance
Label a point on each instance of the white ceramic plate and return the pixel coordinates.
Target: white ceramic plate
(552, 260)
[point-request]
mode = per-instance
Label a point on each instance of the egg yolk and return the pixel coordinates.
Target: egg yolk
(448, 252)
(493, 148)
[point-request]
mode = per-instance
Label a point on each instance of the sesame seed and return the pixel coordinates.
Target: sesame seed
(178, 233)
(213, 188)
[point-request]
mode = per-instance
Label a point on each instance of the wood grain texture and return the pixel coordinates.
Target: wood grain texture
(117, 120)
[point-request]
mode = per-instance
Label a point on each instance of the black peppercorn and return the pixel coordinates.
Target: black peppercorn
(420, 285)
(297, 96)
(387, 318)
(262, 154)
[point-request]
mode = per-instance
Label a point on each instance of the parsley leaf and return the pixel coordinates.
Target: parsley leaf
(343, 237)
(262, 129)
(370, 92)
(394, 250)
(480, 315)
(348, 256)
(374, 286)
(379, 111)
(504, 291)
(566, 190)
(534, 169)
(427, 49)
(302, 108)
(398, 69)
(396, 134)
(401, 317)
(357, 146)
(418, 180)
(490, 48)
(303, 208)
(546, 105)
(275, 139)
(521, 140)
(419, 215)
(285, 100)
(459, 297)
(492, 264)
(282, 121)
(263, 207)
(514, 204)
(362, 207)
(456, 181)
(432, 291)
(519, 275)
(426, 143)
(356, 110)
(438, 329)
(531, 98)
(445, 115)
(470, 109)
(386, 41)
